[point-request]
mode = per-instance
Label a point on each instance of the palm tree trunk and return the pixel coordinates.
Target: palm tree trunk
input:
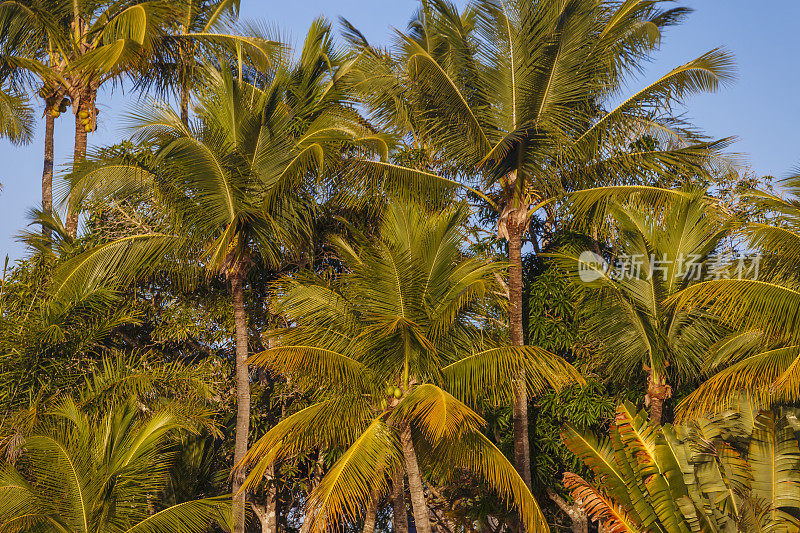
(399, 513)
(657, 392)
(418, 505)
(522, 455)
(371, 517)
(47, 173)
(77, 158)
(184, 103)
(237, 275)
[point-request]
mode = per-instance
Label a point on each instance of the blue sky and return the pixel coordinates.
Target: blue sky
(762, 108)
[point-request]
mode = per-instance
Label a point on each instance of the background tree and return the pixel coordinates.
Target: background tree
(75, 48)
(202, 31)
(626, 308)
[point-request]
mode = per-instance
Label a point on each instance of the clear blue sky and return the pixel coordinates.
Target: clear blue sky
(762, 108)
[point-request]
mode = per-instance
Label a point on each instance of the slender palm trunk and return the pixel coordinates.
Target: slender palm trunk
(399, 513)
(522, 451)
(77, 158)
(47, 172)
(242, 395)
(418, 505)
(184, 103)
(371, 517)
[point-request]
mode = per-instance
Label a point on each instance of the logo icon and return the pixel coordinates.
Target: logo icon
(591, 266)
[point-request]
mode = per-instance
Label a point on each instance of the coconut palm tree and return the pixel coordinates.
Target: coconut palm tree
(627, 307)
(74, 48)
(393, 349)
(235, 186)
(82, 472)
(202, 30)
(521, 95)
(763, 358)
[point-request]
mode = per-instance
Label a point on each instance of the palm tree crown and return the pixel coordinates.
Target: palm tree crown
(83, 473)
(394, 348)
(628, 309)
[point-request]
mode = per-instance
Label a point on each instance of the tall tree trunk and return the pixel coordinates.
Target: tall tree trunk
(267, 513)
(399, 513)
(372, 516)
(47, 172)
(237, 275)
(522, 448)
(78, 156)
(418, 505)
(184, 103)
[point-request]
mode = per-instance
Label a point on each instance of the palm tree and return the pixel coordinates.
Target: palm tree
(761, 360)
(53, 96)
(82, 472)
(519, 94)
(659, 252)
(201, 31)
(236, 186)
(393, 348)
(74, 48)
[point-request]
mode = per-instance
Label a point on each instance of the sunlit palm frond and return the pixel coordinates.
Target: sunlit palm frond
(477, 455)
(332, 424)
(317, 365)
(436, 413)
(766, 377)
(116, 263)
(598, 506)
(16, 117)
(489, 373)
(187, 517)
(748, 304)
(360, 474)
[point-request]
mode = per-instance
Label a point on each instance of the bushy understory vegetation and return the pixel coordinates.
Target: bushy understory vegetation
(485, 277)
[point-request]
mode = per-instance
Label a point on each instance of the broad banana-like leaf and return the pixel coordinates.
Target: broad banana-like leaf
(775, 460)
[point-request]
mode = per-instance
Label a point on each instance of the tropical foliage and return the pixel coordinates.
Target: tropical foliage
(356, 287)
(732, 472)
(81, 471)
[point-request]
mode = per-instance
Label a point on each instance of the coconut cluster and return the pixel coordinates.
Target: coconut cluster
(393, 393)
(89, 120)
